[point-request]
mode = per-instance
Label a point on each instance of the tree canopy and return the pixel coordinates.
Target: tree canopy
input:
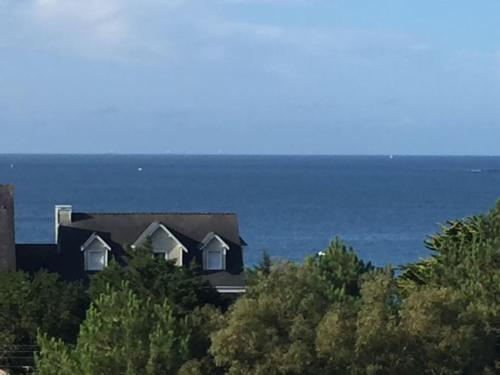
(32, 303)
(332, 314)
(122, 334)
(157, 279)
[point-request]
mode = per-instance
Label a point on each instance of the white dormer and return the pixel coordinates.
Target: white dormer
(95, 251)
(214, 252)
(163, 241)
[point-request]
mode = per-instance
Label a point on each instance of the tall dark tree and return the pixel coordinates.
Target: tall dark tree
(42, 302)
(261, 270)
(272, 329)
(29, 304)
(465, 262)
(340, 267)
(122, 334)
(157, 279)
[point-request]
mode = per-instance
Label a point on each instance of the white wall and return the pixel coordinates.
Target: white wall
(163, 243)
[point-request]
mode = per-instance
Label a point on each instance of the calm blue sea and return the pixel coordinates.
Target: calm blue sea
(290, 205)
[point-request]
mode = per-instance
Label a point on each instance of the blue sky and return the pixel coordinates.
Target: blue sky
(250, 76)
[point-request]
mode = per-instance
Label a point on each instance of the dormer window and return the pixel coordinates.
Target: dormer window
(96, 260)
(214, 252)
(95, 253)
(165, 244)
(214, 260)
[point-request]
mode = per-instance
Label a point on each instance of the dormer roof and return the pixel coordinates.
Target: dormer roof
(94, 237)
(186, 227)
(209, 238)
(120, 231)
(152, 229)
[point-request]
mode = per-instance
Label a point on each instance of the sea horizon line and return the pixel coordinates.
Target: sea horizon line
(388, 155)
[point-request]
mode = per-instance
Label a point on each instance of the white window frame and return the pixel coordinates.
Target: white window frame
(165, 253)
(222, 249)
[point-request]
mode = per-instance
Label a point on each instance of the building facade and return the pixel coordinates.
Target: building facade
(85, 243)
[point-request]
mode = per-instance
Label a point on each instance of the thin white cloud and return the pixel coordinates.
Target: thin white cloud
(184, 31)
(94, 29)
(102, 21)
(279, 2)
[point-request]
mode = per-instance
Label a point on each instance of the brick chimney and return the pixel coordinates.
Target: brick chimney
(62, 215)
(7, 229)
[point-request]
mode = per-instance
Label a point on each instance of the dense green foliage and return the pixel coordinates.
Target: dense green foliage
(271, 330)
(147, 317)
(337, 315)
(44, 302)
(333, 314)
(157, 279)
(260, 270)
(339, 268)
(122, 334)
(39, 302)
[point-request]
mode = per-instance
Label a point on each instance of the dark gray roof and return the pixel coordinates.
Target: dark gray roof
(225, 279)
(122, 230)
(34, 257)
(126, 228)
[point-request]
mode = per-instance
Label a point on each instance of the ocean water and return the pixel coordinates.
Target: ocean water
(291, 206)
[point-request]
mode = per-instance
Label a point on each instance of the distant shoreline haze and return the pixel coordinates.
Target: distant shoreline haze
(243, 154)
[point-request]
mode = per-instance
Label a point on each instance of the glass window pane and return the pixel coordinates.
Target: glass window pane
(214, 260)
(160, 255)
(96, 260)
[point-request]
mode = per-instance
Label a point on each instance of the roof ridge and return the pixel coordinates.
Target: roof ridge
(153, 213)
(35, 244)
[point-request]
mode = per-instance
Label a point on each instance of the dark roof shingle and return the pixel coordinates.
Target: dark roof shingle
(122, 230)
(126, 228)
